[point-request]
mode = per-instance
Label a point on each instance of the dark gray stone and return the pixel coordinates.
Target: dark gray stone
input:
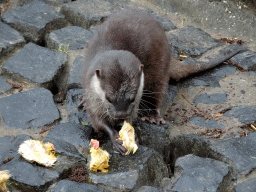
(56, 2)
(88, 12)
(75, 37)
(148, 189)
(245, 114)
(76, 115)
(31, 20)
(171, 94)
(240, 151)
(129, 173)
(167, 26)
(64, 147)
(75, 77)
(70, 186)
(246, 186)
(31, 177)
(38, 64)
(9, 39)
(9, 147)
(29, 109)
(182, 145)
(246, 59)
(210, 77)
(165, 23)
(75, 134)
(250, 73)
(203, 123)
(191, 40)
(4, 86)
(217, 98)
(194, 173)
(153, 136)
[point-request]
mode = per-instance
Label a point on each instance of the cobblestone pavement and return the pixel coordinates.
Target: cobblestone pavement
(209, 141)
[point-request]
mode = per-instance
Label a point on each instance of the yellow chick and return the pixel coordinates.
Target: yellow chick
(127, 135)
(4, 176)
(33, 150)
(99, 157)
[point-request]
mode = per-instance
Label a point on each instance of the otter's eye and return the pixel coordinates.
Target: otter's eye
(132, 99)
(108, 99)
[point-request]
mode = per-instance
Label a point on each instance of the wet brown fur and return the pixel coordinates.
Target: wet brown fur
(139, 33)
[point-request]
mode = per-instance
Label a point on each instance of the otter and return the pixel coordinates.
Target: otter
(127, 69)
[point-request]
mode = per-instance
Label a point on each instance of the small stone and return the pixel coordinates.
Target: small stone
(75, 76)
(191, 40)
(4, 86)
(36, 63)
(76, 115)
(10, 145)
(29, 109)
(245, 114)
(241, 151)
(31, 20)
(204, 123)
(246, 186)
(88, 12)
(72, 37)
(246, 59)
(67, 186)
(75, 134)
(9, 39)
(127, 173)
(148, 189)
(193, 173)
(217, 98)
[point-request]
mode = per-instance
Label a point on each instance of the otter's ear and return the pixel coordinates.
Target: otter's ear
(98, 73)
(141, 67)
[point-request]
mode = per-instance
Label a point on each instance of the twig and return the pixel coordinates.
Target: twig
(239, 67)
(186, 99)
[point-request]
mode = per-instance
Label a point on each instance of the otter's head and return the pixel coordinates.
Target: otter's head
(119, 82)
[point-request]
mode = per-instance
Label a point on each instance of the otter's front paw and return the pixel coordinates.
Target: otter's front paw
(154, 117)
(118, 146)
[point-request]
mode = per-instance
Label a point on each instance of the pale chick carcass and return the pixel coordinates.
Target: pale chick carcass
(99, 158)
(127, 135)
(4, 176)
(33, 150)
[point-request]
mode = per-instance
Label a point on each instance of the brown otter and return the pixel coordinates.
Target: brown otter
(128, 63)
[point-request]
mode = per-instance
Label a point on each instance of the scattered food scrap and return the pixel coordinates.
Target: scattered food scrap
(99, 158)
(253, 127)
(127, 135)
(231, 41)
(244, 133)
(36, 151)
(182, 57)
(212, 133)
(218, 115)
(247, 129)
(4, 176)
(6, 160)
